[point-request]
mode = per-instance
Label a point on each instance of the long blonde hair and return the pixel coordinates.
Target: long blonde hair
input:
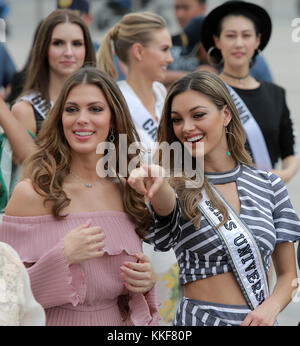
(50, 164)
(133, 28)
(212, 86)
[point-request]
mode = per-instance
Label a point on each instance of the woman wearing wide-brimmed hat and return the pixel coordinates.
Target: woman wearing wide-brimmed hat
(234, 34)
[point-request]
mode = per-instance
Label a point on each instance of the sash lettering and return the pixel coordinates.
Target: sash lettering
(247, 255)
(255, 137)
(150, 127)
(241, 249)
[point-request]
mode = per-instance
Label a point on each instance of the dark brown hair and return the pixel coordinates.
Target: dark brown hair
(38, 73)
(50, 164)
(212, 86)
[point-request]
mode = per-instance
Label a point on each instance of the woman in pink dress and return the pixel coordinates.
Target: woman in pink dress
(78, 233)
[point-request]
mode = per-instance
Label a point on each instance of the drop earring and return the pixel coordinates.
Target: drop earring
(111, 137)
(227, 132)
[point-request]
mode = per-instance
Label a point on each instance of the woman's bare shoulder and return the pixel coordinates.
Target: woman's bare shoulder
(21, 107)
(25, 201)
(24, 113)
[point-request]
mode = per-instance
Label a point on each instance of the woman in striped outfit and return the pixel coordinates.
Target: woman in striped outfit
(224, 230)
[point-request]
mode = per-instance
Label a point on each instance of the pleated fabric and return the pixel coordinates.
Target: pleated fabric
(89, 293)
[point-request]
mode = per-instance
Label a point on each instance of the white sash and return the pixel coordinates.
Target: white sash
(241, 249)
(254, 135)
(140, 115)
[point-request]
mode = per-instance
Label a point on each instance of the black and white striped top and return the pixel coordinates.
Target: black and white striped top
(265, 207)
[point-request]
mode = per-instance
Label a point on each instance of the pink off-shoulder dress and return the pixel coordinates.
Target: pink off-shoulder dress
(91, 293)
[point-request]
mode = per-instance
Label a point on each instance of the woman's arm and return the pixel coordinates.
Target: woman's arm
(289, 167)
(150, 181)
(16, 131)
(285, 266)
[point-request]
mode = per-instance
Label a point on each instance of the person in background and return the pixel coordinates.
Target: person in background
(187, 50)
(12, 128)
(18, 306)
(7, 71)
(83, 9)
(185, 10)
(20, 77)
(78, 233)
(190, 55)
(80, 7)
(260, 70)
(141, 41)
(226, 221)
(63, 45)
(234, 34)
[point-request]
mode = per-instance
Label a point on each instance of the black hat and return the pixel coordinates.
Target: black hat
(212, 20)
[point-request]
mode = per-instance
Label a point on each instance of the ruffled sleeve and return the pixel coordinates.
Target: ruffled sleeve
(53, 281)
(144, 309)
(138, 309)
(286, 221)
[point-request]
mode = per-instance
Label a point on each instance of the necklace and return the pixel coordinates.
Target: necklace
(88, 185)
(240, 79)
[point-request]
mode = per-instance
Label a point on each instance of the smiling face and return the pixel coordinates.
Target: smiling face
(86, 119)
(196, 119)
(238, 41)
(66, 52)
(156, 55)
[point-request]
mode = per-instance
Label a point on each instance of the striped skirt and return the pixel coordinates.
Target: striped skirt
(191, 312)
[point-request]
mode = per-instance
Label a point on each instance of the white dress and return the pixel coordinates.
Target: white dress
(18, 307)
(163, 263)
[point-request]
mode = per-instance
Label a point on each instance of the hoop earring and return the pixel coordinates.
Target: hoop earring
(111, 137)
(210, 59)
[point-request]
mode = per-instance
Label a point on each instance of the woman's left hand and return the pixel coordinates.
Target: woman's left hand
(264, 315)
(139, 277)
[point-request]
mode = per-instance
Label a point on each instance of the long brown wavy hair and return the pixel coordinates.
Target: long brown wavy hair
(212, 86)
(50, 164)
(38, 73)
